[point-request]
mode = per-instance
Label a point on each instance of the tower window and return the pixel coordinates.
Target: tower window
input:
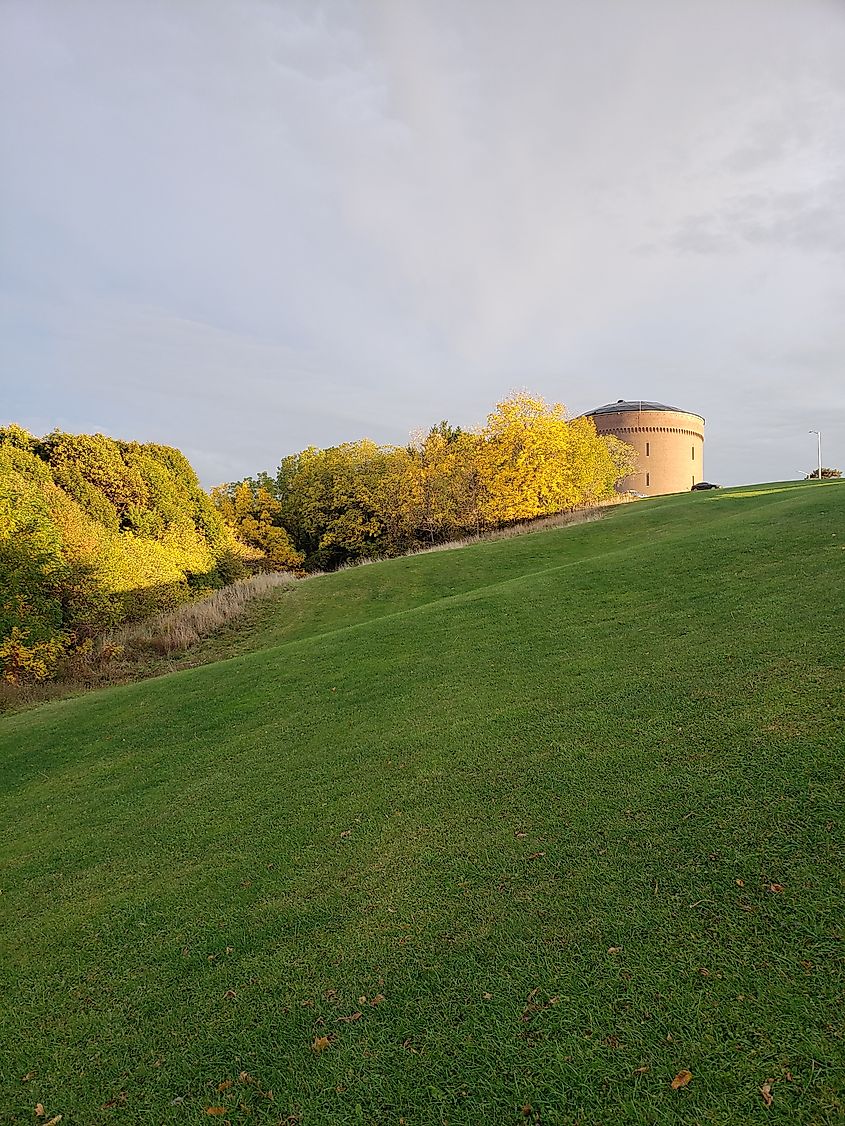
(647, 480)
(693, 453)
(647, 448)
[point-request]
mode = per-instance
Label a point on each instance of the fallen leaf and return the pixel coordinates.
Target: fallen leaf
(351, 1017)
(536, 855)
(320, 1043)
(39, 1110)
(362, 1000)
(766, 1092)
(346, 833)
(377, 1000)
(681, 1080)
(29, 1075)
(790, 1076)
(642, 1070)
(54, 1120)
(245, 1077)
(246, 883)
(521, 836)
(215, 1111)
(526, 1110)
(229, 995)
(225, 1085)
(230, 949)
(614, 949)
(487, 996)
(776, 887)
(740, 883)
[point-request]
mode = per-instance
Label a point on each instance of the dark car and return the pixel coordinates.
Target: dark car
(703, 485)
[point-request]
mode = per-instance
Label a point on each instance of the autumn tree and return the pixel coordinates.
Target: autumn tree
(623, 456)
(254, 515)
(535, 462)
(827, 474)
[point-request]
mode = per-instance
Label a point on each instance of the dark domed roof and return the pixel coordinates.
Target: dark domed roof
(623, 405)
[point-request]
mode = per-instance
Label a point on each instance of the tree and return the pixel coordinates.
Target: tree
(255, 518)
(534, 462)
(332, 502)
(827, 474)
(624, 457)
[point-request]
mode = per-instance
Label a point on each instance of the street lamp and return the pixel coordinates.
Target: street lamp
(818, 434)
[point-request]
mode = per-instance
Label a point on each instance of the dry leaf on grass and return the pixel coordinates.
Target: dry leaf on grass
(766, 1092)
(320, 1043)
(215, 1111)
(377, 1000)
(681, 1079)
(29, 1075)
(39, 1110)
(225, 1085)
(351, 1017)
(54, 1121)
(776, 887)
(614, 949)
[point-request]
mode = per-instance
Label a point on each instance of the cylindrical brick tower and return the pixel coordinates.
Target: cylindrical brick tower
(670, 443)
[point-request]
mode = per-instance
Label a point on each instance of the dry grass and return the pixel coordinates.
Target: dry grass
(137, 650)
(179, 629)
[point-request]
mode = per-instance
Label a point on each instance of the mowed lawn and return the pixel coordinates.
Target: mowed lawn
(509, 834)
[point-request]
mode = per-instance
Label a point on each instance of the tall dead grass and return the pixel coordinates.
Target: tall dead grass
(136, 650)
(177, 630)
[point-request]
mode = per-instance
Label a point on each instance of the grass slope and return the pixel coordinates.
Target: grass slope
(523, 829)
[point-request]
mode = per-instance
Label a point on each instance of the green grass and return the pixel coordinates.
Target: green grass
(512, 788)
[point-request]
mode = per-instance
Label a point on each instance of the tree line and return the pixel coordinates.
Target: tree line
(95, 531)
(327, 507)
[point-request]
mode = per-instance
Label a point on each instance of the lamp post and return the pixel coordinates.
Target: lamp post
(818, 434)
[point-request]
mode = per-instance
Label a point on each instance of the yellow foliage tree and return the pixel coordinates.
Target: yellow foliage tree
(533, 461)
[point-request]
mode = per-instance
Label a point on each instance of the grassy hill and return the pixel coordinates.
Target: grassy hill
(510, 834)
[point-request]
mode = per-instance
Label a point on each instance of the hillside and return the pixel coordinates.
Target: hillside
(524, 830)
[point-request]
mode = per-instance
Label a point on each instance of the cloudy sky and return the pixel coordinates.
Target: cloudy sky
(246, 226)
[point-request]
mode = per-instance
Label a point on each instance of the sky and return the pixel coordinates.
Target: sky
(244, 227)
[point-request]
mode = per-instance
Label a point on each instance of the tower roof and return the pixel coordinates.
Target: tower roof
(623, 406)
